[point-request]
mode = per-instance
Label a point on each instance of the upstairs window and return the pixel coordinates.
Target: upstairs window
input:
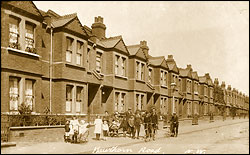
(29, 36)
(98, 61)
(179, 84)
(88, 52)
(137, 70)
(142, 71)
(123, 66)
(79, 53)
(163, 78)
(13, 32)
(116, 64)
(69, 49)
(150, 75)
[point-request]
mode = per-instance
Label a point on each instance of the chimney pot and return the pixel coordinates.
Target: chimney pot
(98, 28)
(170, 56)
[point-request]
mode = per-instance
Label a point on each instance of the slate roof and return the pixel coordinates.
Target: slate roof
(195, 75)
(133, 49)
(28, 6)
(63, 20)
(87, 30)
(183, 72)
(202, 79)
(156, 61)
(111, 42)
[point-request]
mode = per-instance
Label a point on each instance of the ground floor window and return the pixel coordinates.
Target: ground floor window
(29, 93)
(120, 101)
(69, 89)
(14, 93)
(139, 101)
(163, 105)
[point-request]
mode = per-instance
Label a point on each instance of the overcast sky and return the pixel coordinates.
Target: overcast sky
(211, 36)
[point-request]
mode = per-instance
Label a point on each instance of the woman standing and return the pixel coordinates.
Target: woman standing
(98, 127)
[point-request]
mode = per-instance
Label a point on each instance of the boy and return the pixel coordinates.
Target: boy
(67, 129)
(105, 129)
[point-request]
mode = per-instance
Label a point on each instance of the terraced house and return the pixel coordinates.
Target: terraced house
(53, 63)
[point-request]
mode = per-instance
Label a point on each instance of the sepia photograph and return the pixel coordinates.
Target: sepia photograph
(124, 77)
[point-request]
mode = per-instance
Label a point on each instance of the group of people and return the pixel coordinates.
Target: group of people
(129, 123)
(76, 131)
(109, 126)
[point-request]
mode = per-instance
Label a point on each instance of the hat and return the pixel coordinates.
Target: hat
(174, 112)
(129, 108)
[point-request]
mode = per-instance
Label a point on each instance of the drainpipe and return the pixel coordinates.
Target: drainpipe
(50, 68)
(50, 71)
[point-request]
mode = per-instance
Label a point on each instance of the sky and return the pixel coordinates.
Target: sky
(212, 36)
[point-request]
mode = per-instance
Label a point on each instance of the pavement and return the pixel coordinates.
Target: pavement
(117, 143)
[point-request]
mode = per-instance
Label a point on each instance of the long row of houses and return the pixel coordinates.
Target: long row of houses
(53, 62)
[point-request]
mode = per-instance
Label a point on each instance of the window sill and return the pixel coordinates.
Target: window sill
(163, 86)
(74, 66)
(23, 52)
(140, 81)
(122, 77)
(196, 93)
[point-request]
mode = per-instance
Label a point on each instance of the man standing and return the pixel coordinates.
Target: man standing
(175, 124)
(127, 115)
(154, 122)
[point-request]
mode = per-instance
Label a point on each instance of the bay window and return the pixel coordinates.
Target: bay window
(29, 37)
(14, 32)
(78, 98)
(14, 93)
(123, 66)
(150, 75)
(69, 49)
(69, 89)
(116, 64)
(98, 61)
(79, 53)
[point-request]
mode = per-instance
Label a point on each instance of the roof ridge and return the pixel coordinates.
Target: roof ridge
(53, 12)
(115, 37)
(129, 46)
(158, 57)
(69, 15)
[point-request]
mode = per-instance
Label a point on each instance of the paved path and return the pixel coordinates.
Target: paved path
(186, 129)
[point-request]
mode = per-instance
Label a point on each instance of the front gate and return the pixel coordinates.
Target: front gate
(5, 128)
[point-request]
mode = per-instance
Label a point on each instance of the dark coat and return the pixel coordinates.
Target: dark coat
(154, 118)
(67, 128)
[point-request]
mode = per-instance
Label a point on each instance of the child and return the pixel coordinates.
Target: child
(98, 127)
(105, 129)
(67, 129)
(75, 127)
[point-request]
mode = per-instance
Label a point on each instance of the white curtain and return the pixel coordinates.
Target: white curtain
(29, 93)
(13, 94)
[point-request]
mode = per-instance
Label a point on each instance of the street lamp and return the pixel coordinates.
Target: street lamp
(173, 85)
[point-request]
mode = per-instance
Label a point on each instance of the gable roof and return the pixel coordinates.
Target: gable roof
(133, 49)
(156, 61)
(27, 6)
(172, 66)
(111, 42)
(185, 72)
(195, 75)
(202, 79)
(87, 30)
(63, 20)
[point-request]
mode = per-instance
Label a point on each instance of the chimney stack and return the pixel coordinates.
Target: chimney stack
(98, 28)
(189, 66)
(144, 47)
(229, 87)
(223, 85)
(216, 81)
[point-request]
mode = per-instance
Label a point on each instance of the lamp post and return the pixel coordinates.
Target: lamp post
(173, 85)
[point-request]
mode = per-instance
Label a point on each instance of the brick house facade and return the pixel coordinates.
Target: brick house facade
(53, 62)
